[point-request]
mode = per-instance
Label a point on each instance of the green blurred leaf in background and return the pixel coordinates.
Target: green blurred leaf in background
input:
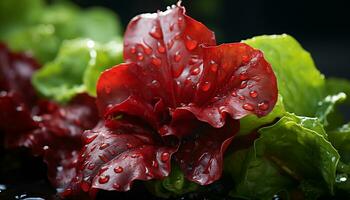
(76, 68)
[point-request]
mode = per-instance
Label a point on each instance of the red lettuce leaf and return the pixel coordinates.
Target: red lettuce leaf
(201, 154)
(17, 96)
(178, 83)
(113, 159)
(46, 128)
(57, 136)
(16, 70)
(168, 61)
(175, 83)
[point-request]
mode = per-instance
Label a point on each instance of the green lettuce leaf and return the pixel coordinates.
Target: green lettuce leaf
(327, 107)
(40, 40)
(292, 154)
(301, 85)
(338, 85)
(340, 138)
(14, 14)
(335, 108)
(108, 55)
(59, 22)
(76, 68)
(98, 23)
(255, 177)
(173, 185)
(299, 145)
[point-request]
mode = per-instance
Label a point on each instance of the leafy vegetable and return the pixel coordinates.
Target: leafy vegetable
(327, 106)
(301, 85)
(55, 23)
(13, 15)
(340, 138)
(310, 155)
(173, 185)
(47, 129)
(76, 68)
(255, 177)
(172, 98)
(293, 150)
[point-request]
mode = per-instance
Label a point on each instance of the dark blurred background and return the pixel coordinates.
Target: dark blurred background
(322, 27)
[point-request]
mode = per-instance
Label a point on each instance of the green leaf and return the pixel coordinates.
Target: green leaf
(99, 24)
(327, 106)
(252, 122)
(75, 69)
(62, 16)
(41, 41)
(338, 85)
(173, 185)
(108, 55)
(14, 15)
(299, 82)
(337, 105)
(255, 177)
(298, 145)
(340, 138)
(59, 22)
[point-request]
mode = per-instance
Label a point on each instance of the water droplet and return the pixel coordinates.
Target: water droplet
(243, 76)
(154, 163)
(245, 58)
(103, 146)
(241, 97)
(171, 27)
(243, 84)
(177, 36)
(177, 71)
(116, 186)
(253, 94)
(89, 139)
(103, 179)
(155, 83)
(161, 48)
(148, 50)
(133, 50)
(103, 158)
(340, 178)
(177, 56)
(91, 166)
(222, 109)
(136, 155)
(103, 169)
(165, 156)
(195, 71)
(118, 170)
(67, 192)
(85, 186)
(193, 61)
(180, 20)
(263, 106)
(129, 146)
(139, 56)
(19, 108)
(170, 44)
(234, 93)
(156, 62)
(248, 106)
(206, 86)
(156, 33)
(213, 66)
(191, 44)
